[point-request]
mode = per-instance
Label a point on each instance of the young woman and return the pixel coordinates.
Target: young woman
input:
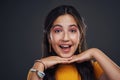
(65, 54)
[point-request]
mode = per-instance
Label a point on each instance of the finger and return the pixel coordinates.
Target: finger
(75, 58)
(67, 59)
(63, 60)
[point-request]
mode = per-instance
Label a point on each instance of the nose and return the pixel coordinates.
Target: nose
(66, 37)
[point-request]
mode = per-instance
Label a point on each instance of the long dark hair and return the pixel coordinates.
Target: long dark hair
(85, 69)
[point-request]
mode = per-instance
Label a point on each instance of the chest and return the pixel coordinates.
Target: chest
(67, 72)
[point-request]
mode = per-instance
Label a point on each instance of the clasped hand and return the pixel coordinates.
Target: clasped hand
(53, 60)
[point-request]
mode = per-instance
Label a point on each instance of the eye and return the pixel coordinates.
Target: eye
(73, 30)
(57, 31)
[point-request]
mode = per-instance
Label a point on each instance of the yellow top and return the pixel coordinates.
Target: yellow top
(69, 72)
(97, 70)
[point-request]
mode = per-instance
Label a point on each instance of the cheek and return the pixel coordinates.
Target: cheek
(75, 37)
(54, 38)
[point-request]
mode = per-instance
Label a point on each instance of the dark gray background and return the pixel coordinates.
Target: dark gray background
(21, 31)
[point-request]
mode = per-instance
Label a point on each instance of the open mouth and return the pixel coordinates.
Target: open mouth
(65, 48)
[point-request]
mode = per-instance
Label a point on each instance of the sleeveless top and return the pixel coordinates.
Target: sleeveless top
(69, 72)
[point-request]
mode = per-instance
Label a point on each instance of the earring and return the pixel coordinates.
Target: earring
(49, 47)
(79, 48)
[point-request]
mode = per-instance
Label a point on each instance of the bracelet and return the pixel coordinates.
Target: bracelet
(39, 73)
(40, 61)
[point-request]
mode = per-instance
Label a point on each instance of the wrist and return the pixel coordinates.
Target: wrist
(39, 66)
(40, 61)
(92, 53)
(95, 53)
(38, 73)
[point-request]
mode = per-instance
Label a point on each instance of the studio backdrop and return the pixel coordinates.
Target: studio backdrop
(22, 25)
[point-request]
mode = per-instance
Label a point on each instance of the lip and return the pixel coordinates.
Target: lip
(65, 48)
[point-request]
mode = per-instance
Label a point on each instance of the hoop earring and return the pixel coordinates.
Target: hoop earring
(49, 47)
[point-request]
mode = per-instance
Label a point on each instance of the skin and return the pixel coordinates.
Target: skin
(65, 32)
(65, 36)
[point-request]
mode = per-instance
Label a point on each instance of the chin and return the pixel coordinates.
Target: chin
(65, 56)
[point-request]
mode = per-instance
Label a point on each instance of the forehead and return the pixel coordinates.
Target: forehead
(66, 19)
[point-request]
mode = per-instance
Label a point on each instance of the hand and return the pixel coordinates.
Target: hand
(53, 60)
(84, 56)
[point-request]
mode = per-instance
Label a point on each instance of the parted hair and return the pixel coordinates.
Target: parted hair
(85, 69)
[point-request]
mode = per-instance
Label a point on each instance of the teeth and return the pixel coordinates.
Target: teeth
(64, 46)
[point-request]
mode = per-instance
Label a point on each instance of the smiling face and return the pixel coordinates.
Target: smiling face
(64, 36)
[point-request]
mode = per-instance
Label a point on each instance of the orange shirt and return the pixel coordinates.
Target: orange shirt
(97, 70)
(69, 72)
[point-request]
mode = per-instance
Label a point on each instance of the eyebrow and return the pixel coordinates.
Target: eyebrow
(73, 25)
(62, 26)
(56, 25)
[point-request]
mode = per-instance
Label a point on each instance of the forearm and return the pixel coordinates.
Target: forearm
(33, 75)
(111, 70)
